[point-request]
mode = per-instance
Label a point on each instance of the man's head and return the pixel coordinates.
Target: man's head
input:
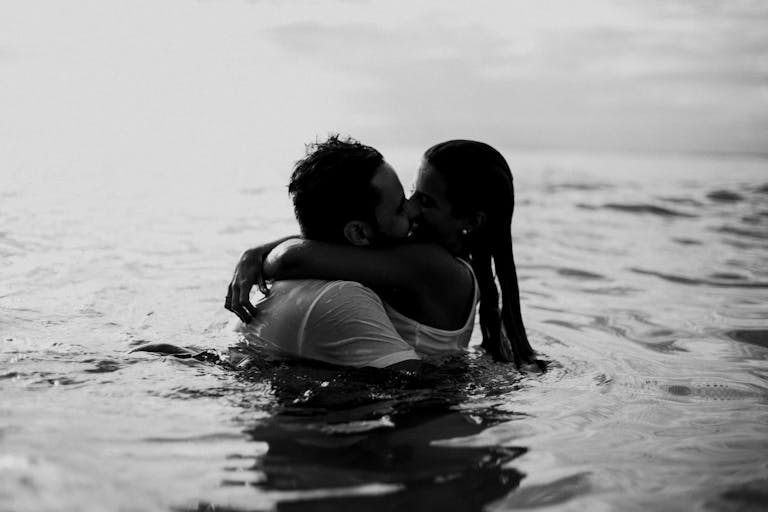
(344, 192)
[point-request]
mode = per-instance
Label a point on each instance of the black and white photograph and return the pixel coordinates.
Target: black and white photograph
(383, 255)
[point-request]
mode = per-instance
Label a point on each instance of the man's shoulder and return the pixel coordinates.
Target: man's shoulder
(315, 285)
(348, 292)
(298, 287)
(307, 292)
(348, 325)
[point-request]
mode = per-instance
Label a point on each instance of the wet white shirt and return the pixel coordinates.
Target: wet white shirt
(337, 322)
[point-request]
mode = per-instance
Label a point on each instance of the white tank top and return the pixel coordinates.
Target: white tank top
(431, 341)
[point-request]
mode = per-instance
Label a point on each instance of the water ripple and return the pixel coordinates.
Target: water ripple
(746, 233)
(749, 496)
(698, 281)
(757, 337)
(725, 196)
(650, 209)
(579, 274)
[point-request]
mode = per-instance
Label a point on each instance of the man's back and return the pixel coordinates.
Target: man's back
(337, 322)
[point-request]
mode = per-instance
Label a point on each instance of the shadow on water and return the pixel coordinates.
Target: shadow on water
(351, 439)
(757, 337)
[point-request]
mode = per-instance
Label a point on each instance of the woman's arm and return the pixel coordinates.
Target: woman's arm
(247, 274)
(408, 267)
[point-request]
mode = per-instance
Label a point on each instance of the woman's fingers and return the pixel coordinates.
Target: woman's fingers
(252, 311)
(230, 293)
(260, 282)
(245, 310)
(248, 273)
(233, 302)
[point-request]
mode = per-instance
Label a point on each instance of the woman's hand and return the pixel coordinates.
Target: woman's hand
(249, 272)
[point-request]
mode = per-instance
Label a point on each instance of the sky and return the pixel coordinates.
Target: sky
(686, 76)
(112, 84)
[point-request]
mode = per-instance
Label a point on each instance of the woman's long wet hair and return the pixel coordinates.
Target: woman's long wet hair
(478, 179)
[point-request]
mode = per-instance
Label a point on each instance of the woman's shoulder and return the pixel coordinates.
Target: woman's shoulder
(423, 250)
(428, 256)
(434, 266)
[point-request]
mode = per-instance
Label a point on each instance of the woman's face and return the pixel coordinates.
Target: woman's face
(436, 222)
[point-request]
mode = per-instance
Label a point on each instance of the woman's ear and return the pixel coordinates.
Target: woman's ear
(475, 221)
(358, 233)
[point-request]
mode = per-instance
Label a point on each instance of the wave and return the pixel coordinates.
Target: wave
(757, 337)
(746, 233)
(725, 196)
(642, 208)
(693, 281)
(579, 274)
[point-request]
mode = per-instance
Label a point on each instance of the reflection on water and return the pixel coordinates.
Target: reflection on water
(340, 440)
(643, 282)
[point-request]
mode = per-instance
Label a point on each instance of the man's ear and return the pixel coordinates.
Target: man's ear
(358, 232)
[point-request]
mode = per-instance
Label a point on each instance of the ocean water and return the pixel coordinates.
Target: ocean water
(644, 283)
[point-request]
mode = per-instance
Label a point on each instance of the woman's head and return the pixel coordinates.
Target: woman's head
(466, 198)
(464, 189)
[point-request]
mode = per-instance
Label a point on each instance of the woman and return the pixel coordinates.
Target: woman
(465, 197)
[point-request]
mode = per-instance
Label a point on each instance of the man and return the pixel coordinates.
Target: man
(342, 192)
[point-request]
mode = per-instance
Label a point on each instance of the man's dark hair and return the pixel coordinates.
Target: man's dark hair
(332, 186)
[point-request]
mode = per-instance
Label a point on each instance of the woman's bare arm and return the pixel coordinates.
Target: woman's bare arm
(248, 273)
(408, 267)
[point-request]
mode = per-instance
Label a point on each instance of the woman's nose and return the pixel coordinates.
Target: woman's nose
(412, 208)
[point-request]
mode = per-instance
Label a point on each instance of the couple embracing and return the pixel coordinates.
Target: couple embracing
(378, 280)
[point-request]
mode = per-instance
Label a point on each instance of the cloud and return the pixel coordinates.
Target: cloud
(688, 76)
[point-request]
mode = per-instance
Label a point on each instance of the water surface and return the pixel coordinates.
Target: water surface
(643, 282)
